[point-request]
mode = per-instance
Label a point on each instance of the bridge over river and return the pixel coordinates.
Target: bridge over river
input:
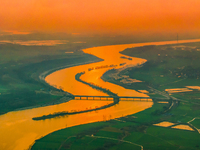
(111, 98)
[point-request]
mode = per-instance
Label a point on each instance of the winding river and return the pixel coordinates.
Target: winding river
(17, 129)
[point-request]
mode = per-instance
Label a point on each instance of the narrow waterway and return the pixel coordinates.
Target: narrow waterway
(17, 129)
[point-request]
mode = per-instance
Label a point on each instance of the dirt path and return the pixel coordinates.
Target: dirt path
(116, 140)
(198, 130)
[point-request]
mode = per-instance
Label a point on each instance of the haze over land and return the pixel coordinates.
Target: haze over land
(141, 18)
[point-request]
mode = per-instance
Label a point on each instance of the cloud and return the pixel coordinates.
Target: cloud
(36, 42)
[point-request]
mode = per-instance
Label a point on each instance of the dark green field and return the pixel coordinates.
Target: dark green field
(20, 67)
(172, 66)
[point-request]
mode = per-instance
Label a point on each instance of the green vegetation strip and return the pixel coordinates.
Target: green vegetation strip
(107, 91)
(58, 114)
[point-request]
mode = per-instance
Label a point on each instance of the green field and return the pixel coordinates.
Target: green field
(136, 128)
(196, 123)
(166, 66)
(20, 67)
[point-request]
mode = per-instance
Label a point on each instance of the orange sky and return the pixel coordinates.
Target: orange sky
(105, 16)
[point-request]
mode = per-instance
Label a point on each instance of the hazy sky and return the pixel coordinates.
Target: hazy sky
(103, 16)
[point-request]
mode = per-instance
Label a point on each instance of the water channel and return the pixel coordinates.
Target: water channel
(17, 129)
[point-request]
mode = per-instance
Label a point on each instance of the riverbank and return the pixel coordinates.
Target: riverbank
(46, 73)
(168, 67)
(25, 85)
(124, 128)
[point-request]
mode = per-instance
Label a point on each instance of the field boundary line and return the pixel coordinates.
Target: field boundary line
(116, 140)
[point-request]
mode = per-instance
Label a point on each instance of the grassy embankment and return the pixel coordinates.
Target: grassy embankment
(171, 69)
(20, 67)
